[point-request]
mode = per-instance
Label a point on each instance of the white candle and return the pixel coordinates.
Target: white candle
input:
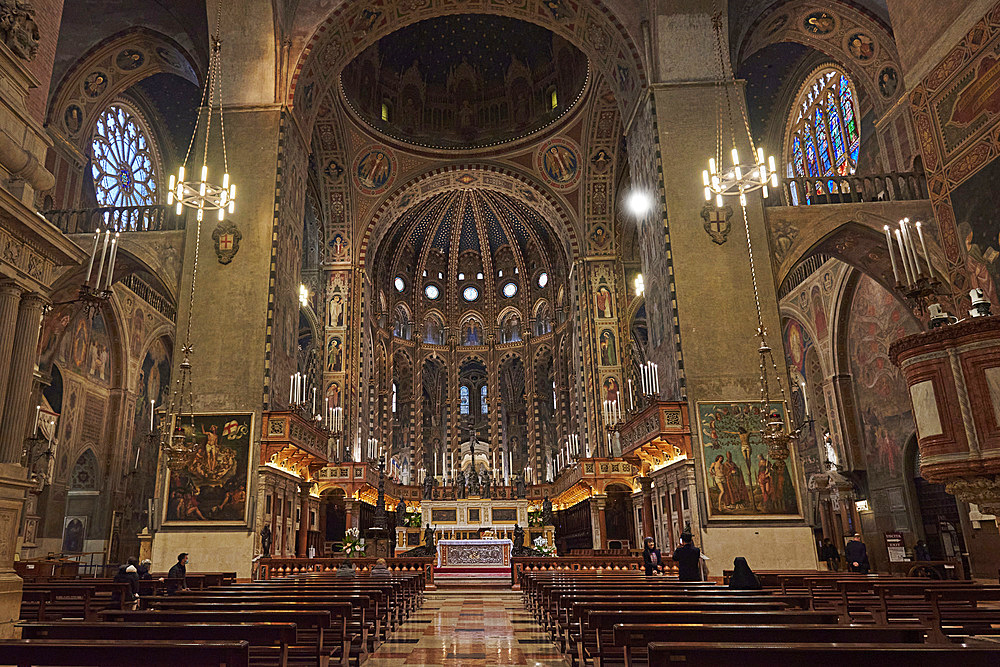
(923, 246)
(111, 261)
(93, 255)
(137, 450)
(910, 255)
(100, 265)
(314, 400)
(152, 405)
(38, 410)
(902, 253)
(913, 248)
(291, 388)
(892, 255)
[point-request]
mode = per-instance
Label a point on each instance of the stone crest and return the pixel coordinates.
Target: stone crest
(227, 238)
(717, 222)
(18, 28)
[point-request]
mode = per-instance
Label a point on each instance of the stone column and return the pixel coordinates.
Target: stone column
(302, 539)
(647, 506)
(10, 297)
(13, 485)
(598, 526)
(22, 363)
(350, 509)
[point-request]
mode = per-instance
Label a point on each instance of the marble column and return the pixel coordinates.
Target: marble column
(598, 526)
(647, 507)
(10, 298)
(14, 425)
(302, 541)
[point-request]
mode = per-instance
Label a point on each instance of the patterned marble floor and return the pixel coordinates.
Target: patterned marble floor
(469, 627)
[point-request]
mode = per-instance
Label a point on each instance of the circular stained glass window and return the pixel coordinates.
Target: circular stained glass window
(124, 163)
(399, 283)
(543, 279)
(470, 293)
(509, 290)
(432, 292)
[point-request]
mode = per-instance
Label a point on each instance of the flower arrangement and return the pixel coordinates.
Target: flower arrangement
(413, 517)
(353, 544)
(534, 517)
(542, 547)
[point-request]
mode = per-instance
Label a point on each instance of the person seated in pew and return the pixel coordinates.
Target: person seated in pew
(128, 574)
(345, 569)
(380, 569)
(688, 558)
(143, 570)
(177, 575)
(743, 578)
(651, 558)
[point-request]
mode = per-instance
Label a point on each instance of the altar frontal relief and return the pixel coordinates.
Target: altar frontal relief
(742, 480)
(210, 486)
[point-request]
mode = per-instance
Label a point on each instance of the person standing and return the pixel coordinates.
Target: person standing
(651, 558)
(857, 555)
(177, 575)
(688, 558)
(921, 552)
(828, 552)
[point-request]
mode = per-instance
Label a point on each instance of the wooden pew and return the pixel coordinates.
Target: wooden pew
(120, 653)
(769, 654)
(320, 635)
(269, 642)
(632, 639)
(70, 599)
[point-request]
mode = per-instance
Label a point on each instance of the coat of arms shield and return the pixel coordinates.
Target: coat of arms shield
(717, 222)
(227, 241)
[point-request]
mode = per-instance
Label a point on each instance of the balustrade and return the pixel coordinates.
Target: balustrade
(118, 218)
(893, 186)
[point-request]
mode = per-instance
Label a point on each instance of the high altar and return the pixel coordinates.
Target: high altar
(464, 521)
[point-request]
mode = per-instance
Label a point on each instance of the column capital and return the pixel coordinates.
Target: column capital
(32, 299)
(9, 287)
(647, 485)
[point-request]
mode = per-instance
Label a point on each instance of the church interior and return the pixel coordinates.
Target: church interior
(488, 295)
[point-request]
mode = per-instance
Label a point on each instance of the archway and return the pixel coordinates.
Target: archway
(333, 515)
(619, 521)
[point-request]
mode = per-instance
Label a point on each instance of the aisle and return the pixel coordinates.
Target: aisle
(469, 627)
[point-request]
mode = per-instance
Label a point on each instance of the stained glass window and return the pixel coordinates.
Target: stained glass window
(463, 399)
(824, 139)
(124, 161)
(482, 399)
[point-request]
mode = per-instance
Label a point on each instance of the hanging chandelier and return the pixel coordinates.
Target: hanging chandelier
(202, 195)
(738, 178)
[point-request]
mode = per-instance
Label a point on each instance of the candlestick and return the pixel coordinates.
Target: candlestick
(892, 255)
(923, 246)
(93, 255)
(902, 253)
(100, 265)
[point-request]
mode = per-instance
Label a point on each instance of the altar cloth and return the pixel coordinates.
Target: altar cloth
(474, 553)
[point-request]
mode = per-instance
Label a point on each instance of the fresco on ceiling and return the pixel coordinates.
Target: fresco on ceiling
(797, 343)
(374, 169)
(743, 481)
(211, 487)
(876, 321)
(559, 163)
(77, 343)
(975, 203)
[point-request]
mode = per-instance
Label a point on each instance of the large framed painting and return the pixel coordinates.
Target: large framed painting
(742, 481)
(212, 485)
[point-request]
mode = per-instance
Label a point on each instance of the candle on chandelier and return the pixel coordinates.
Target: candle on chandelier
(93, 255)
(152, 405)
(111, 261)
(917, 269)
(923, 246)
(902, 253)
(137, 451)
(38, 410)
(892, 255)
(104, 252)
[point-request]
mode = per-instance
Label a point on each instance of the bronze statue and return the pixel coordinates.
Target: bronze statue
(518, 540)
(401, 513)
(265, 541)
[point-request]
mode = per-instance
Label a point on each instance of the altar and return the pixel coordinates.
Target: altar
(474, 553)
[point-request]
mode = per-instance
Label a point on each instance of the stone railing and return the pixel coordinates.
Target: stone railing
(118, 218)
(273, 568)
(901, 186)
(521, 565)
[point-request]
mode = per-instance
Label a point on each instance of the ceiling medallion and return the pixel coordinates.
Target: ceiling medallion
(558, 161)
(374, 169)
(466, 179)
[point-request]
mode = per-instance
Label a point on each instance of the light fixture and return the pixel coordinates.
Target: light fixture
(640, 285)
(736, 179)
(915, 280)
(200, 194)
(639, 203)
(303, 295)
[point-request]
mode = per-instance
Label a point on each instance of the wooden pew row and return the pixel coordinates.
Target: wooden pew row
(70, 600)
(767, 654)
(269, 642)
(321, 635)
(631, 640)
(121, 653)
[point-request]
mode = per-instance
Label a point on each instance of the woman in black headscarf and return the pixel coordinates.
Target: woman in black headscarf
(651, 558)
(743, 578)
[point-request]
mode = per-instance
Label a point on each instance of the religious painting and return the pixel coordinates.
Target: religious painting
(818, 312)
(611, 389)
(130, 59)
(340, 248)
(975, 203)
(335, 355)
(137, 330)
(888, 81)
(337, 308)
(74, 533)
(472, 332)
(797, 343)
(604, 300)
(877, 319)
(211, 486)
(819, 23)
(559, 163)
(77, 342)
(609, 354)
(95, 84)
(73, 118)
(333, 393)
(743, 481)
(374, 169)
(861, 46)
(510, 328)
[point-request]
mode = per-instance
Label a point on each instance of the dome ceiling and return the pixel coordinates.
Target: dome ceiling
(465, 81)
(464, 239)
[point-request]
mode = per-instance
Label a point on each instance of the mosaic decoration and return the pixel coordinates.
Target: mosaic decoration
(743, 483)
(95, 84)
(130, 59)
(861, 46)
(558, 161)
(374, 170)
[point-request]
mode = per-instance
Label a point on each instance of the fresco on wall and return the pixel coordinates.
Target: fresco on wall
(743, 481)
(976, 202)
(77, 343)
(797, 343)
(877, 320)
(211, 487)
(153, 389)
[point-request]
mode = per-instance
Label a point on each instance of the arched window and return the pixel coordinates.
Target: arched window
(482, 399)
(124, 160)
(824, 139)
(463, 399)
(394, 388)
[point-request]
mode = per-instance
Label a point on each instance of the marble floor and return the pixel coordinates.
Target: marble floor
(468, 626)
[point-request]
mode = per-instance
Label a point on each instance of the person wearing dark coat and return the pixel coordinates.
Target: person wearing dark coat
(128, 574)
(856, 554)
(921, 552)
(743, 578)
(688, 558)
(829, 554)
(651, 558)
(177, 575)
(143, 570)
